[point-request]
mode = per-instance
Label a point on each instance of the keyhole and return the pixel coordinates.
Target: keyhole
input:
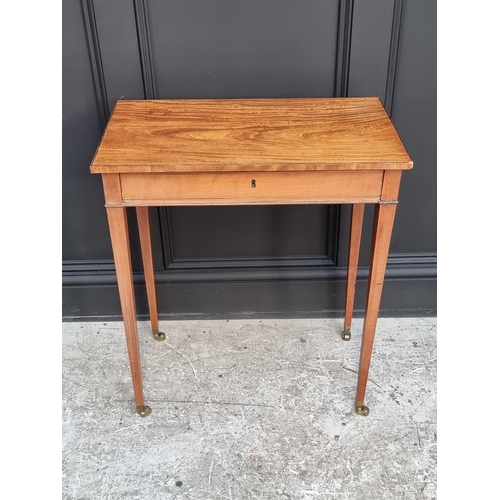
(254, 184)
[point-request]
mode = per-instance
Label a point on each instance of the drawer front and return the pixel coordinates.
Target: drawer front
(250, 188)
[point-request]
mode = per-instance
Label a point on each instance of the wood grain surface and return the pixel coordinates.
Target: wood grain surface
(357, 215)
(382, 230)
(118, 229)
(147, 262)
(250, 188)
(225, 135)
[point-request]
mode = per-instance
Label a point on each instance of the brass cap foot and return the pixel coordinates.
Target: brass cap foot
(361, 409)
(346, 334)
(158, 335)
(143, 411)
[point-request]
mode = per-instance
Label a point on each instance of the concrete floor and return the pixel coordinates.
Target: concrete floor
(250, 410)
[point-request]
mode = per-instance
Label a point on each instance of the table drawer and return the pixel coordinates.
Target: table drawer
(242, 188)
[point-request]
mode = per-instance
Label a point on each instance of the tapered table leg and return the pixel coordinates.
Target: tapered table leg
(352, 266)
(147, 260)
(382, 230)
(118, 228)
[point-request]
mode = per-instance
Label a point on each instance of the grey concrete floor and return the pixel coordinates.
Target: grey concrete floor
(250, 409)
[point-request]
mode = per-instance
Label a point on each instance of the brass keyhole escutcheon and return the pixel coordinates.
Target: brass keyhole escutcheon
(254, 184)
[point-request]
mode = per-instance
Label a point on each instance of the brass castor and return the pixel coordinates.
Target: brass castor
(346, 334)
(158, 335)
(362, 410)
(144, 411)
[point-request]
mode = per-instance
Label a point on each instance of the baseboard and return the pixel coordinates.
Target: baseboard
(409, 290)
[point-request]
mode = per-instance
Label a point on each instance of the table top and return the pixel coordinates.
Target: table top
(231, 135)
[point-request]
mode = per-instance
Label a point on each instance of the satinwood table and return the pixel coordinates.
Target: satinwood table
(250, 152)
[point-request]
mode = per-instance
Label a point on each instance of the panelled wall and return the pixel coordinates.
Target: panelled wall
(248, 261)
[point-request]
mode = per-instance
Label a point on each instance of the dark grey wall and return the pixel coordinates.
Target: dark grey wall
(248, 261)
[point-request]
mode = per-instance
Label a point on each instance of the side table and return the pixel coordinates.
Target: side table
(250, 152)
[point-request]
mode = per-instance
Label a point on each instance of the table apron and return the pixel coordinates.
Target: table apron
(249, 188)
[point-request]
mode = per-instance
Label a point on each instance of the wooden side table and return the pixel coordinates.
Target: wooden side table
(250, 152)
